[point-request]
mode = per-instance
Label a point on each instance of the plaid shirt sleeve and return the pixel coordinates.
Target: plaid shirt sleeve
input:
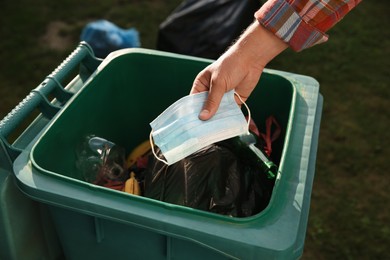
(303, 23)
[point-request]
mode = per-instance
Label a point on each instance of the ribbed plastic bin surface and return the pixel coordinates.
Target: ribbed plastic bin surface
(128, 90)
(26, 227)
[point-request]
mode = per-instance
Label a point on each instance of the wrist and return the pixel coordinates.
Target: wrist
(259, 45)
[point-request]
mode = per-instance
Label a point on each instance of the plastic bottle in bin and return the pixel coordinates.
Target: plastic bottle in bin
(101, 161)
(246, 144)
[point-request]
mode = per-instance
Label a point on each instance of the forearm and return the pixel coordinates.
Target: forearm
(258, 46)
(303, 23)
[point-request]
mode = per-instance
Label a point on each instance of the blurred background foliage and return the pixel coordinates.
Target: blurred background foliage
(349, 215)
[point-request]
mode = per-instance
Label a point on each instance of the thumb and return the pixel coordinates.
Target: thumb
(212, 102)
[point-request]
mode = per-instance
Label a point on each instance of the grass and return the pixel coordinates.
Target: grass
(349, 216)
(26, 58)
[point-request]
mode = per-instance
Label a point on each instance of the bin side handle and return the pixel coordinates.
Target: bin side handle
(37, 97)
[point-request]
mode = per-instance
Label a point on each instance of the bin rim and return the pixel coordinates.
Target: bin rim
(30, 175)
(118, 54)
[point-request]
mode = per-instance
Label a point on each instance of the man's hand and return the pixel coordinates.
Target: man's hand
(239, 68)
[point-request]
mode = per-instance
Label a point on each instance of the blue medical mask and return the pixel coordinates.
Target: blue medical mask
(179, 132)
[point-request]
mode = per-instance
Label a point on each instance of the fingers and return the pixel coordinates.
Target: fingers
(218, 84)
(222, 76)
(247, 85)
(201, 82)
(207, 80)
(211, 105)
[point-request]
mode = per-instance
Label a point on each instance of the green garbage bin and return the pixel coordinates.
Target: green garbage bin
(126, 91)
(26, 227)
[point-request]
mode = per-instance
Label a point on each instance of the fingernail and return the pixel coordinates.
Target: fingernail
(204, 114)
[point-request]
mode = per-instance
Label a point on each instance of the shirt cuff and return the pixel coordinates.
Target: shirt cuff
(281, 19)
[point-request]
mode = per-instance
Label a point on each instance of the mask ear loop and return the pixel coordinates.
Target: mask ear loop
(164, 161)
(247, 108)
(153, 151)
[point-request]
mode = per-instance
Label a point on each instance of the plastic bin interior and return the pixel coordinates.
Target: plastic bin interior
(128, 90)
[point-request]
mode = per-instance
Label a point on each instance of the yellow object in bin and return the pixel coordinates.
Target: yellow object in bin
(139, 151)
(132, 185)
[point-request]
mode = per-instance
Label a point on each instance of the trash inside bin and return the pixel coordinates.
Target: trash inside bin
(128, 89)
(217, 178)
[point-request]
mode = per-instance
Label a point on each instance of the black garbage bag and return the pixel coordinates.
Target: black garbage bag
(218, 178)
(205, 28)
